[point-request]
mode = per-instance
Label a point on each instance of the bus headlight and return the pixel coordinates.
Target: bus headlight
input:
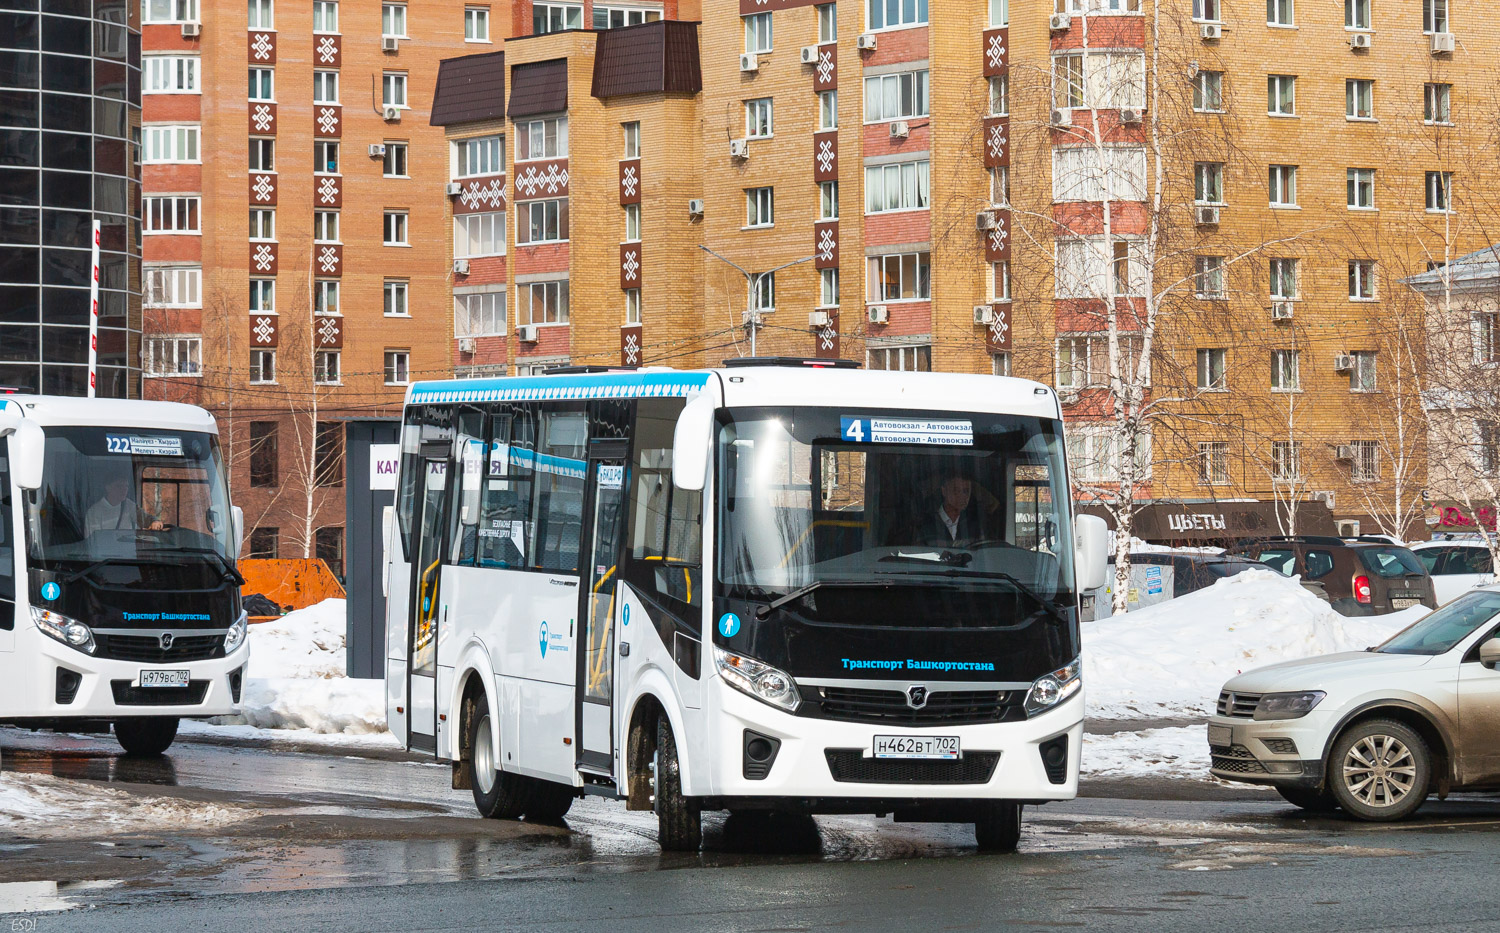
(70, 632)
(1051, 689)
(760, 680)
(236, 634)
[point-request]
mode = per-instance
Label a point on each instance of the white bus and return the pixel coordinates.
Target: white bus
(775, 585)
(119, 597)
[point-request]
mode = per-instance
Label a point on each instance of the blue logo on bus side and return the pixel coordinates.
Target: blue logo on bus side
(544, 639)
(51, 590)
(625, 615)
(729, 625)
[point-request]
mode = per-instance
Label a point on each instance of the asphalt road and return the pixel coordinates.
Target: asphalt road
(341, 842)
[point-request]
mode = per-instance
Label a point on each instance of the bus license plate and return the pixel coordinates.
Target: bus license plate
(164, 678)
(941, 747)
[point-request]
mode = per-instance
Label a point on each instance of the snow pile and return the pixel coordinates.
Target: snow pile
(1170, 660)
(1174, 753)
(37, 805)
(296, 678)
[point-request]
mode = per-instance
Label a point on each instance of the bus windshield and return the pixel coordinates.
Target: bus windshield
(819, 496)
(128, 495)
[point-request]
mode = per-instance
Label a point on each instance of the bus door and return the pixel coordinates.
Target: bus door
(426, 614)
(604, 526)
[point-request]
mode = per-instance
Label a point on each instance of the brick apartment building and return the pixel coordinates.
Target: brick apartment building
(971, 188)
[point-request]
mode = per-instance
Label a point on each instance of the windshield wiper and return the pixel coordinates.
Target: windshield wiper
(227, 569)
(108, 561)
(1008, 578)
(761, 612)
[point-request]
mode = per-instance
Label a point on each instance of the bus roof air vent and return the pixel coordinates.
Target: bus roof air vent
(585, 370)
(739, 361)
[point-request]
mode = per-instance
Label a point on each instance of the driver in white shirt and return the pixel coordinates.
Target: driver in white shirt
(116, 511)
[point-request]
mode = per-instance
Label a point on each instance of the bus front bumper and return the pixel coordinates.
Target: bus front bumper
(72, 684)
(828, 760)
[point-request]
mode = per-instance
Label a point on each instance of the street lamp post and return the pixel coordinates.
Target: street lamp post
(752, 282)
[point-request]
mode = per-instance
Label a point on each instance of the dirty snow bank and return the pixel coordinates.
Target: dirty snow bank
(1170, 660)
(296, 688)
(38, 805)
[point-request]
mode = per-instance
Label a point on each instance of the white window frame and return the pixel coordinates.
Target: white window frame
(171, 74)
(1206, 83)
(182, 11)
(1281, 184)
(893, 187)
(322, 10)
(537, 130)
(760, 208)
(1434, 16)
(618, 15)
(1437, 103)
(1281, 270)
(1357, 183)
(175, 349)
(630, 140)
(1366, 465)
(999, 95)
(1364, 283)
(1357, 15)
(1354, 90)
(397, 367)
(158, 208)
(762, 293)
(1094, 458)
(254, 85)
(999, 13)
(325, 374)
(1213, 369)
(921, 286)
(259, 370)
(486, 228)
(393, 89)
(906, 357)
(387, 161)
(395, 293)
(259, 147)
(1281, 14)
(1438, 192)
(321, 150)
(262, 15)
(828, 288)
(755, 109)
(759, 33)
(632, 223)
(526, 215)
(1210, 278)
(1281, 95)
(476, 16)
(323, 80)
(324, 223)
(828, 110)
(899, 95)
(828, 200)
(1286, 370)
(564, 11)
(828, 22)
(632, 306)
(553, 290)
(172, 286)
(1364, 375)
(260, 294)
(1000, 185)
(1213, 463)
(393, 21)
(484, 153)
(1095, 173)
(1207, 11)
(1208, 183)
(262, 222)
(326, 295)
(175, 138)
(396, 229)
(999, 282)
(491, 312)
(876, 22)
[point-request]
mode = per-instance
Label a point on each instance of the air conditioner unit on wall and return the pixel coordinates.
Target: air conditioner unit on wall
(1347, 528)
(1206, 216)
(1343, 363)
(1343, 452)
(527, 333)
(749, 62)
(809, 54)
(1360, 40)
(1211, 32)
(984, 220)
(460, 267)
(818, 319)
(1281, 310)
(865, 42)
(1061, 116)
(1443, 43)
(695, 206)
(1325, 496)
(1130, 115)
(984, 314)
(739, 149)
(389, 43)
(466, 345)
(1059, 22)
(377, 150)
(900, 129)
(192, 30)
(391, 114)
(877, 314)
(454, 187)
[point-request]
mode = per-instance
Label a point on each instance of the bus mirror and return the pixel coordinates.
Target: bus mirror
(28, 446)
(1090, 551)
(691, 442)
(236, 529)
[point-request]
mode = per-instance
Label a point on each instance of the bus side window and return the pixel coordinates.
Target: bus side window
(7, 544)
(558, 490)
(505, 504)
(471, 472)
(666, 523)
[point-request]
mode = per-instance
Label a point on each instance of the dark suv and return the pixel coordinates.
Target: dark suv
(1363, 578)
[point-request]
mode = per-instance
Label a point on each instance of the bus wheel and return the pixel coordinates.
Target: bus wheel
(679, 826)
(550, 801)
(146, 735)
(998, 828)
(499, 795)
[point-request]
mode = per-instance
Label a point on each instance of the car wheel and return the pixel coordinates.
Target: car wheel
(1380, 770)
(678, 820)
(498, 795)
(144, 736)
(1313, 801)
(998, 828)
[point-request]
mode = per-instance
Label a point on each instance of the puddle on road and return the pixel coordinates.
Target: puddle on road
(91, 765)
(1222, 856)
(38, 896)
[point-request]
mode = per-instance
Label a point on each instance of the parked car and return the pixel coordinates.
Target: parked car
(1363, 578)
(1455, 566)
(1373, 732)
(1194, 571)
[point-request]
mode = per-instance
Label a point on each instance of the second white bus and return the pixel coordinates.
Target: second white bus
(769, 586)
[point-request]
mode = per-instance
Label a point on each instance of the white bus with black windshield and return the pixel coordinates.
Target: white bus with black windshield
(780, 585)
(119, 597)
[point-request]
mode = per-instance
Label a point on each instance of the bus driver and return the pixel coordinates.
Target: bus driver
(116, 510)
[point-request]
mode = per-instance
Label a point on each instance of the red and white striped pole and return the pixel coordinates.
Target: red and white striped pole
(94, 317)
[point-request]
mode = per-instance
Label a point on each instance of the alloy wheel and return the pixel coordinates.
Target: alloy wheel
(484, 756)
(1379, 770)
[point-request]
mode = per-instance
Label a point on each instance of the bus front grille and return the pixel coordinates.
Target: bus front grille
(126, 695)
(147, 649)
(850, 765)
(890, 707)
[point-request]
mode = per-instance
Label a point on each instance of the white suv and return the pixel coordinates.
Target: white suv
(1374, 731)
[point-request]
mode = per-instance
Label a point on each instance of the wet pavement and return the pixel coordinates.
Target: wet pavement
(323, 822)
